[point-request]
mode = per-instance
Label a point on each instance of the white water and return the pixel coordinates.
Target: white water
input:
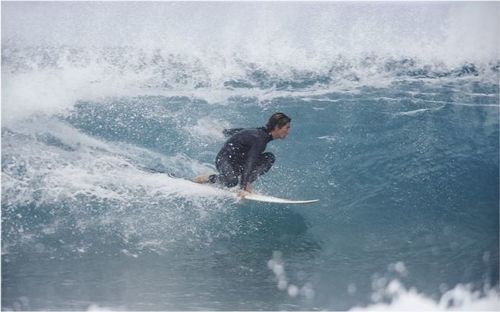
(460, 298)
(194, 48)
(393, 295)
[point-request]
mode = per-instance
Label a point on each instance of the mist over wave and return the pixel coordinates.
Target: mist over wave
(265, 32)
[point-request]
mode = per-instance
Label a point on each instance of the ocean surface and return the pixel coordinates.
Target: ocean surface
(107, 109)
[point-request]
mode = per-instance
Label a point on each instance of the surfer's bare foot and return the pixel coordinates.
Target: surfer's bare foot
(202, 179)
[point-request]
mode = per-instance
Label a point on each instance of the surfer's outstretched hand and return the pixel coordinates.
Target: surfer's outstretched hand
(249, 188)
(243, 193)
(247, 191)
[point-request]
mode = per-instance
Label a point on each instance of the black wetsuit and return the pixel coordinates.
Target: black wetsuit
(243, 156)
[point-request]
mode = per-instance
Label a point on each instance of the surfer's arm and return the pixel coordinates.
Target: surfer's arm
(253, 154)
(248, 188)
(243, 193)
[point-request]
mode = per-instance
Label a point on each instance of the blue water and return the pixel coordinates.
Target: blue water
(401, 150)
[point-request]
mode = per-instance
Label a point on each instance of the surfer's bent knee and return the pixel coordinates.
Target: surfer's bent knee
(269, 157)
(231, 182)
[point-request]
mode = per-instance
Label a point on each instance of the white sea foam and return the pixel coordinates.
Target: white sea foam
(460, 298)
(207, 128)
(96, 168)
(89, 185)
(328, 138)
(413, 112)
(393, 295)
(390, 294)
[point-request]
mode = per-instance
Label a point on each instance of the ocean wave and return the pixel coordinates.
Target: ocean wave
(395, 130)
(52, 80)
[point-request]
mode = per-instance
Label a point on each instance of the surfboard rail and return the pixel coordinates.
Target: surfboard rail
(276, 200)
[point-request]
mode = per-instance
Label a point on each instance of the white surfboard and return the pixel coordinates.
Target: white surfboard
(252, 196)
(277, 200)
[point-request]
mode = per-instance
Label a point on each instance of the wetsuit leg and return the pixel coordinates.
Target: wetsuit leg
(228, 175)
(264, 163)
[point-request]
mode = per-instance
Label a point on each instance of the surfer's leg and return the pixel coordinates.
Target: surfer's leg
(227, 176)
(264, 163)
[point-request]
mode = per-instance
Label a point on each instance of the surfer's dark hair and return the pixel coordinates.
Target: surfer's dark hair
(277, 119)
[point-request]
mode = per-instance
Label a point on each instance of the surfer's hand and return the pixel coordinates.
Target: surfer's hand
(243, 193)
(249, 188)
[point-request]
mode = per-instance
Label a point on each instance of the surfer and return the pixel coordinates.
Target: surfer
(242, 158)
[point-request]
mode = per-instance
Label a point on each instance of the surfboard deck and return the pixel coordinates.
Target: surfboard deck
(276, 200)
(253, 196)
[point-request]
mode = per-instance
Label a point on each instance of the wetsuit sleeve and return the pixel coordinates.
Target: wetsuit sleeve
(253, 154)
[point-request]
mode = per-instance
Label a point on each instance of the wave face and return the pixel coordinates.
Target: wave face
(395, 129)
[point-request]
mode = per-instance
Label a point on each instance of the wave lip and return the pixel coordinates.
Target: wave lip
(51, 80)
(164, 69)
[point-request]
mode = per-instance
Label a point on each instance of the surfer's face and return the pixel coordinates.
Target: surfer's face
(281, 133)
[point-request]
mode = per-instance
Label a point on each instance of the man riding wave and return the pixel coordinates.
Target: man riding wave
(243, 159)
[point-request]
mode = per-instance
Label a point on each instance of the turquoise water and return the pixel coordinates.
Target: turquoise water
(401, 150)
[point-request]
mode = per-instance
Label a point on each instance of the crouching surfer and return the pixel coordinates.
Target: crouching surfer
(243, 159)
